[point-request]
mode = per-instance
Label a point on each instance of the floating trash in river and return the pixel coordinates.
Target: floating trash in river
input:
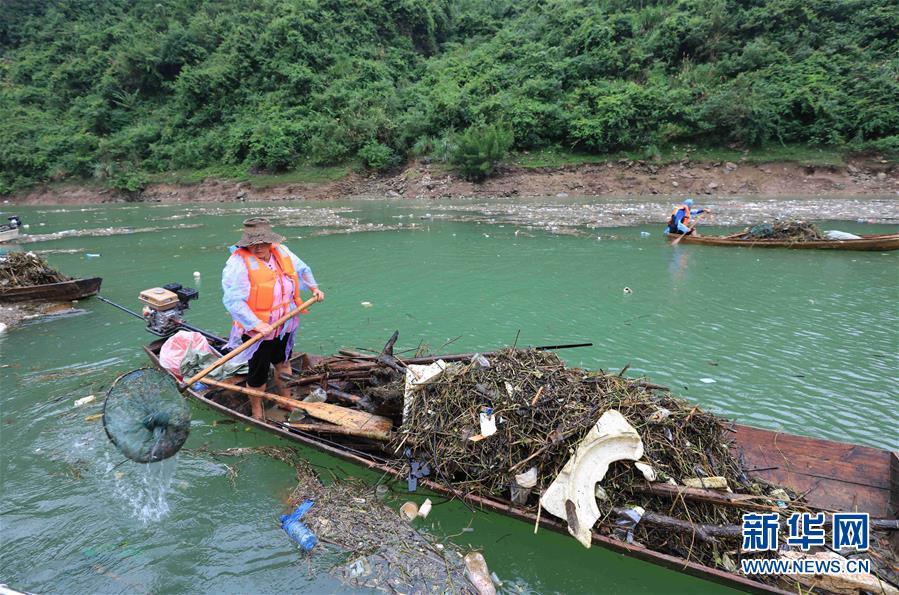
(707, 380)
(297, 530)
(84, 400)
(425, 509)
(380, 549)
(409, 510)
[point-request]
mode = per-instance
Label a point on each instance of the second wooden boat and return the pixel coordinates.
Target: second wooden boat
(74, 289)
(875, 243)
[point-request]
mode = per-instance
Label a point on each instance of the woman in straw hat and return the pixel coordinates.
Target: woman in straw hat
(262, 281)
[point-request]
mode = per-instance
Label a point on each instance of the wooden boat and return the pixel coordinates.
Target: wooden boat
(8, 234)
(74, 289)
(875, 243)
(832, 475)
(10, 231)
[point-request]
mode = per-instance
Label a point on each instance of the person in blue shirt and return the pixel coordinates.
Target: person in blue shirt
(679, 222)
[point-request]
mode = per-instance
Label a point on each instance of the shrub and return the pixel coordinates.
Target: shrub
(127, 179)
(439, 149)
(479, 148)
(377, 156)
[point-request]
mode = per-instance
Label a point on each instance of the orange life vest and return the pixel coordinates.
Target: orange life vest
(686, 220)
(262, 282)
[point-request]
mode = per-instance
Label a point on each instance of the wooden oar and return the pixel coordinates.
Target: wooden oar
(367, 424)
(681, 236)
(252, 341)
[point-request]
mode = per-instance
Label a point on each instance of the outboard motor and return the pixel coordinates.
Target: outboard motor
(164, 307)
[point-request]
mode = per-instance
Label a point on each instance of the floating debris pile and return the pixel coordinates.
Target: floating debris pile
(792, 231)
(543, 410)
(601, 452)
(367, 544)
(381, 549)
(20, 269)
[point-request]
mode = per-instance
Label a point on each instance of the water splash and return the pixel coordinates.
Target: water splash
(145, 489)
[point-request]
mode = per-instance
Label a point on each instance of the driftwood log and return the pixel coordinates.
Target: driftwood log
(705, 533)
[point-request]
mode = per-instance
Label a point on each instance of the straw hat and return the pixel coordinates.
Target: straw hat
(258, 231)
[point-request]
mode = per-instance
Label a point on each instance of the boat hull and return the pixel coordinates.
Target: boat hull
(74, 289)
(8, 235)
(875, 243)
(752, 443)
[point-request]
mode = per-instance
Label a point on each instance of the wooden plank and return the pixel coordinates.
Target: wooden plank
(894, 483)
(833, 475)
(340, 430)
(851, 463)
(335, 414)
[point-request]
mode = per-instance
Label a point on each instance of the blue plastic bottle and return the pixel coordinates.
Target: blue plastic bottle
(297, 530)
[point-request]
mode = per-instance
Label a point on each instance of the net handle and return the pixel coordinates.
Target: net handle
(252, 341)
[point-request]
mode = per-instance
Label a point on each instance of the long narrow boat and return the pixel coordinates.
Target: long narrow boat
(874, 243)
(832, 475)
(74, 289)
(8, 234)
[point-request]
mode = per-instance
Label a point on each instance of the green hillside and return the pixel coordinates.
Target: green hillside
(116, 90)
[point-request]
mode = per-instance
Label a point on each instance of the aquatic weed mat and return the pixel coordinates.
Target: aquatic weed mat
(364, 542)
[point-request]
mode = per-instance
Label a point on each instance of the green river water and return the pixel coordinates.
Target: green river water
(801, 341)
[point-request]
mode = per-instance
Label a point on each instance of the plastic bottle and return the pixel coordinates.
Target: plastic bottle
(297, 530)
(318, 395)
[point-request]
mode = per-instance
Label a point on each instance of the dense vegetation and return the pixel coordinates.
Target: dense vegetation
(118, 89)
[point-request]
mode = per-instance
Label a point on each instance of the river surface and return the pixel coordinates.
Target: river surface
(801, 341)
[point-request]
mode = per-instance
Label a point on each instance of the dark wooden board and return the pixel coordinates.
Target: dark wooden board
(835, 475)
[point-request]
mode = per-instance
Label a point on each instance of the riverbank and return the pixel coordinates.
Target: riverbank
(423, 180)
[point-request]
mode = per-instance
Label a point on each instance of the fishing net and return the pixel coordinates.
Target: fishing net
(145, 416)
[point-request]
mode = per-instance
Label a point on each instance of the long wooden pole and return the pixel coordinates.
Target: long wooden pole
(681, 236)
(252, 341)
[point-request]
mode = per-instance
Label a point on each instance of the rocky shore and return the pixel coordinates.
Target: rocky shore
(623, 178)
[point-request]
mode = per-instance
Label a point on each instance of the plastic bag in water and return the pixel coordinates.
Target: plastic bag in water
(145, 416)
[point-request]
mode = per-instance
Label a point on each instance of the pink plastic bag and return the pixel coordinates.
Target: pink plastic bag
(176, 346)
